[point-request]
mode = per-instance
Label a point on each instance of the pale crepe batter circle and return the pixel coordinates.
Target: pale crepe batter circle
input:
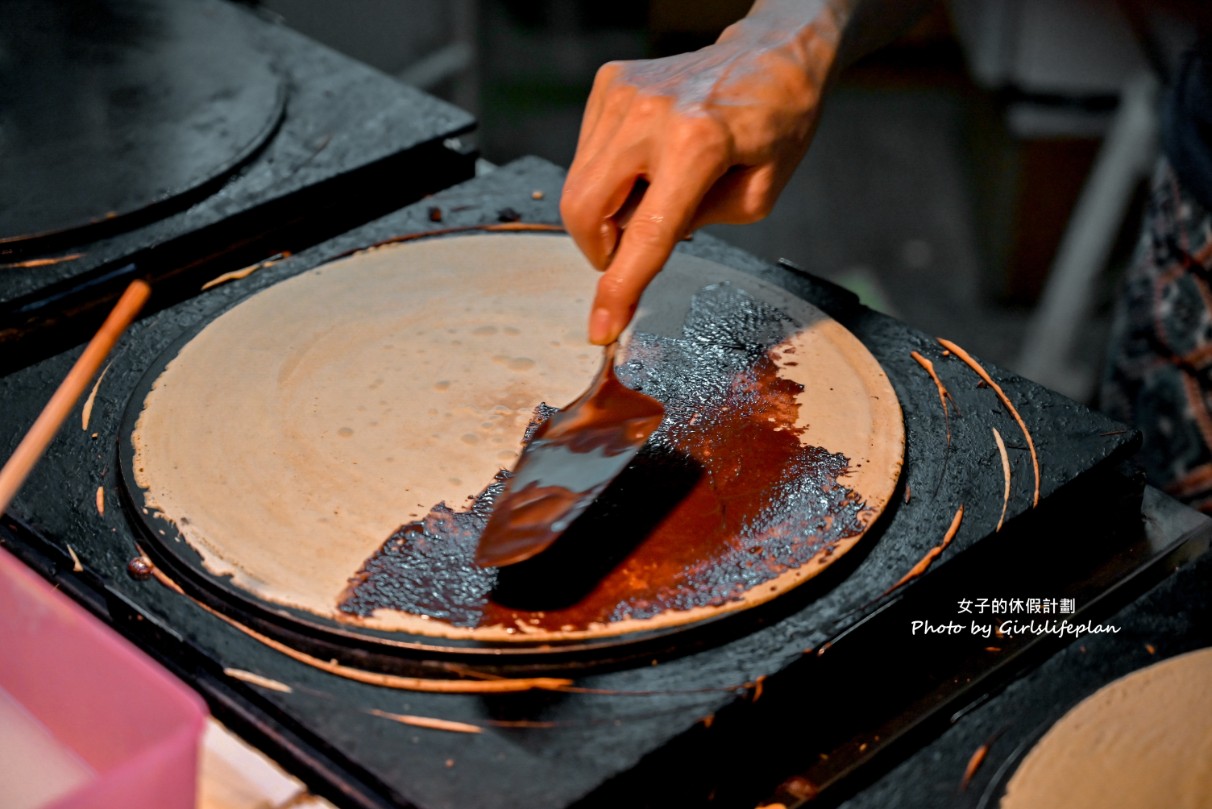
(1142, 742)
(294, 433)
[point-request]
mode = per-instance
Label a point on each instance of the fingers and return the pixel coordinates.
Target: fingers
(593, 194)
(643, 122)
(694, 155)
(717, 132)
(603, 95)
(611, 155)
(694, 183)
(745, 194)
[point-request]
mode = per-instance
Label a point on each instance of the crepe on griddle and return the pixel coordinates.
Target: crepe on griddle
(295, 437)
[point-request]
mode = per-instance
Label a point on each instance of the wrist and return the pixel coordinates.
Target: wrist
(809, 33)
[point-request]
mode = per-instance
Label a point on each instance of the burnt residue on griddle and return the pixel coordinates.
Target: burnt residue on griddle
(723, 498)
(426, 567)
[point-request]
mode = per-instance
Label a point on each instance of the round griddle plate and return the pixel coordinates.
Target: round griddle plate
(1155, 715)
(108, 110)
(324, 375)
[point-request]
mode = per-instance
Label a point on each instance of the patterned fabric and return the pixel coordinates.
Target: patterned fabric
(1186, 121)
(1159, 370)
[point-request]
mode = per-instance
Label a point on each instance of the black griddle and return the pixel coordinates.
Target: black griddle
(111, 109)
(209, 138)
(533, 584)
(1167, 612)
(694, 722)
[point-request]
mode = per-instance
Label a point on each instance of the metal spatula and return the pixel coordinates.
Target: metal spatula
(571, 460)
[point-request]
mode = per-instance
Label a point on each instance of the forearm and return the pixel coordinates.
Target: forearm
(828, 34)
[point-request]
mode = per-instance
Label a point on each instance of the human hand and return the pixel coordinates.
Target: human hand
(707, 137)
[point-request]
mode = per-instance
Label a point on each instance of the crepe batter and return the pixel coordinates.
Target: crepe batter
(299, 430)
(1142, 742)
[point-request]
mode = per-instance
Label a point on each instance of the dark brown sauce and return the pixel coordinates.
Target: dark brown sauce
(722, 499)
(569, 461)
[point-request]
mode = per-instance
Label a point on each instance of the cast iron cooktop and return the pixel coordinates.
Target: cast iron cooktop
(444, 734)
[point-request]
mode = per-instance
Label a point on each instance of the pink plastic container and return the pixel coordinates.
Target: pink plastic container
(87, 721)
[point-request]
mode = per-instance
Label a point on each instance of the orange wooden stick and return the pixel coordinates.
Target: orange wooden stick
(64, 399)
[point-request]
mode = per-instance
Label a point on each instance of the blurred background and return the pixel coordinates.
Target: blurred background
(945, 174)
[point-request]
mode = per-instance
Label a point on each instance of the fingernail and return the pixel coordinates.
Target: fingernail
(600, 327)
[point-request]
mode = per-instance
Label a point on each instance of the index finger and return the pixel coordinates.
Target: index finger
(688, 168)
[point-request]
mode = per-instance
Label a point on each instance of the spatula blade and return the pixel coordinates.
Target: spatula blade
(568, 463)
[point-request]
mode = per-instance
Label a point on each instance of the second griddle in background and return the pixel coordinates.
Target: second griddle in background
(112, 110)
(212, 139)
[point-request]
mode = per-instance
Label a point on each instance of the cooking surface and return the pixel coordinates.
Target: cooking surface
(372, 398)
(550, 748)
(1143, 740)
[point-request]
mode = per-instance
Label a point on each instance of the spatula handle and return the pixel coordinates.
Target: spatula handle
(64, 399)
